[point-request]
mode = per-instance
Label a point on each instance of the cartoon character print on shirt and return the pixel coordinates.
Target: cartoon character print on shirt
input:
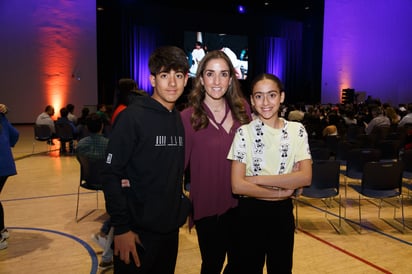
(258, 146)
(301, 134)
(240, 154)
(301, 131)
(256, 165)
(283, 149)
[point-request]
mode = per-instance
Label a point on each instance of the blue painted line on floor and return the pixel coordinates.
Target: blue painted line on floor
(88, 248)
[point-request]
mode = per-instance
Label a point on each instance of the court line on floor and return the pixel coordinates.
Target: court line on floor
(346, 252)
(88, 248)
(356, 223)
(49, 196)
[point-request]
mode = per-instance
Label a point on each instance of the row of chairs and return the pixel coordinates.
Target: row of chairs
(379, 180)
(334, 147)
(390, 140)
(43, 133)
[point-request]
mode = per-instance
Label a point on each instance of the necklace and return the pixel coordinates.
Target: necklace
(212, 117)
(222, 108)
(218, 110)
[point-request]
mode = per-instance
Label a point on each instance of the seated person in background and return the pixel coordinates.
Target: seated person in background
(3, 108)
(45, 118)
(64, 120)
(407, 119)
(82, 119)
(94, 147)
(81, 124)
(71, 116)
(296, 113)
(330, 130)
(334, 123)
(378, 120)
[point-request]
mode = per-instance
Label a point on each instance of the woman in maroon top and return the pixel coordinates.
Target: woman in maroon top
(216, 108)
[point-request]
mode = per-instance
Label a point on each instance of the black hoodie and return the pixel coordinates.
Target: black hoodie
(147, 147)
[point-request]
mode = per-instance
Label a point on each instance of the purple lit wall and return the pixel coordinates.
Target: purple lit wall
(368, 46)
(48, 56)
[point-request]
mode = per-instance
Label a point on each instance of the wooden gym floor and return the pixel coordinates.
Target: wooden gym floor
(40, 204)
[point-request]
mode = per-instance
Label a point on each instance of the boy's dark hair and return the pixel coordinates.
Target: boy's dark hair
(94, 122)
(168, 58)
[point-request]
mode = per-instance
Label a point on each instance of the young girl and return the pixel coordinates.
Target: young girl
(270, 159)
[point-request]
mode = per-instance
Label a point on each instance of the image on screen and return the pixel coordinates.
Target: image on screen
(196, 45)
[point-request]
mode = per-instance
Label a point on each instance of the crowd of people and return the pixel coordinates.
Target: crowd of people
(246, 158)
(322, 120)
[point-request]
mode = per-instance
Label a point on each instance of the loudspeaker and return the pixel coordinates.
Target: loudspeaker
(348, 96)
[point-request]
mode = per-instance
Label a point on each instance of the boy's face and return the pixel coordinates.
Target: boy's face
(168, 86)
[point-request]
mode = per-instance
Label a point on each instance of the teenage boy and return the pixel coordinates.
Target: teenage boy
(143, 178)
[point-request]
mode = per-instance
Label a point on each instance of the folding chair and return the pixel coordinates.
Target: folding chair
(90, 179)
(381, 181)
(324, 186)
(65, 134)
(42, 133)
(406, 158)
(355, 162)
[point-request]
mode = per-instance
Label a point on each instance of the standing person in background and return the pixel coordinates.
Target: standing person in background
(216, 109)
(270, 159)
(197, 55)
(102, 111)
(127, 90)
(145, 165)
(8, 138)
